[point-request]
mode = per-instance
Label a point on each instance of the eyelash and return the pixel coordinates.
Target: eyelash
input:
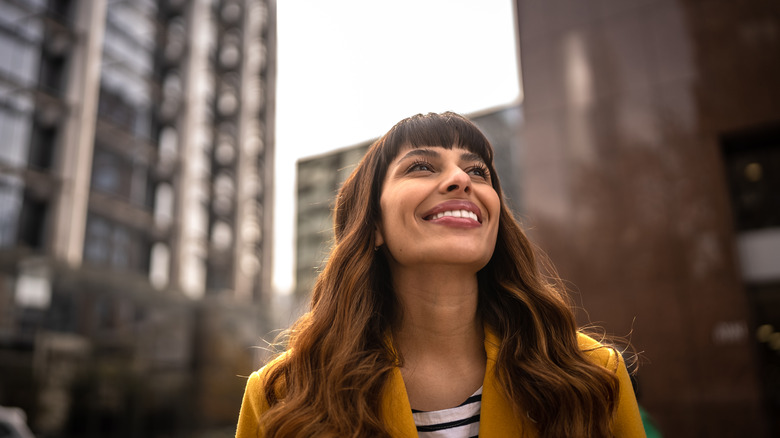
(415, 166)
(485, 173)
(482, 168)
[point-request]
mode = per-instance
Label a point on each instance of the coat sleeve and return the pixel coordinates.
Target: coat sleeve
(627, 422)
(252, 407)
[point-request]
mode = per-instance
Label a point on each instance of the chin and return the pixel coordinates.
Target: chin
(465, 263)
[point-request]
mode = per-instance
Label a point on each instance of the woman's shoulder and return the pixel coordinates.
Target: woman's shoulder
(257, 381)
(259, 377)
(254, 403)
(627, 422)
(598, 352)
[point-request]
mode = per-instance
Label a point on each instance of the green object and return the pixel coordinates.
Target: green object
(650, 428)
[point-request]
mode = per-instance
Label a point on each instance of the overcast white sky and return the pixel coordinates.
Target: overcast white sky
(348, 70)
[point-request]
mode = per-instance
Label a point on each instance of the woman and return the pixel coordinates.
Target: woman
(432, 313)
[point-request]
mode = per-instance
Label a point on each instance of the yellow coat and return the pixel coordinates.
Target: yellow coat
(497, 419)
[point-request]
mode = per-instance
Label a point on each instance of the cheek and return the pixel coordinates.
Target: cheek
(492, 203)
(391, 212)
(386, 207)
(389, 222)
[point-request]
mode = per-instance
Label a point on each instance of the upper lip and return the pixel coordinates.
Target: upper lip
(455, 204)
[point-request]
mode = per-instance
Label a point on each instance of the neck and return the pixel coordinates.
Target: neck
(439, 337)
(439, 308)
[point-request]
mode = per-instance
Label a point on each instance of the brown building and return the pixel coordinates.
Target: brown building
(650, 176)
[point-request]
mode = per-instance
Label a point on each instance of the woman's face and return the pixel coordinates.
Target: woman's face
(438, 207)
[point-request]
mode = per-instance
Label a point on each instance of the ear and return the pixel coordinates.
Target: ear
(379, 239)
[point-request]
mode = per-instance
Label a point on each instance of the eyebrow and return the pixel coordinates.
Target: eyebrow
(471, 156)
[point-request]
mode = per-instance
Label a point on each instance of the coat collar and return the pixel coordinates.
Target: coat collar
(497, 418)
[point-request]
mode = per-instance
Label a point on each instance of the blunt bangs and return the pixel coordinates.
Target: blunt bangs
(445, 130)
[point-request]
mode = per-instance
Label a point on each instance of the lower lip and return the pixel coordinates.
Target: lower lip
(459, 222)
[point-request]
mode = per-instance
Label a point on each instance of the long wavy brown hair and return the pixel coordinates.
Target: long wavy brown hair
(339, 359)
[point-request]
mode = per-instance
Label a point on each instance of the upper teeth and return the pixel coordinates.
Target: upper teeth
(456, 213)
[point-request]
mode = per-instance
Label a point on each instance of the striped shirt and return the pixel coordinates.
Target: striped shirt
(462, 421)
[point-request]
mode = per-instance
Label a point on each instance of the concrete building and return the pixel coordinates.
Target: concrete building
(651, 137)
(135, 177)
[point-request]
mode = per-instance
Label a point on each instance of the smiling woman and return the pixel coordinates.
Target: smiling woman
(438, 209)
(432, 317)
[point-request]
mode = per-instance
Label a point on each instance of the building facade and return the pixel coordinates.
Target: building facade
(652, 131)
(135, 179)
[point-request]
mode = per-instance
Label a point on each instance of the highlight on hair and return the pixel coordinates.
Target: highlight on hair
(338, 361)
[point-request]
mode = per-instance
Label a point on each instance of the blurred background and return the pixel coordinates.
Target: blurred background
(167, 169)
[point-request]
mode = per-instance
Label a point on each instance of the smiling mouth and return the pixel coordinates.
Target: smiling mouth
(453, 213)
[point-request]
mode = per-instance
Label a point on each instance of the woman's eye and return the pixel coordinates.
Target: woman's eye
(420, 166)
(479, 171)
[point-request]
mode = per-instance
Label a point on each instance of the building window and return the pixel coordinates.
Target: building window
(752, 162)
(42, 146)
(110, 173)
(116, 174)
(15, 126)
(32, 222)
(753, 169)
(60, 9)
(114, 245)
(10, 203)
(52, 73)
(116, 110)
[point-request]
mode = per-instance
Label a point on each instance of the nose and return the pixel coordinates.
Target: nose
(455, 180)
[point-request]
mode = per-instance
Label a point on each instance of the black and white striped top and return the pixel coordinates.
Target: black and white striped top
(462, 421)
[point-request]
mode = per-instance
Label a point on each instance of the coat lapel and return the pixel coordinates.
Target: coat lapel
(497, 419)
(396, 410)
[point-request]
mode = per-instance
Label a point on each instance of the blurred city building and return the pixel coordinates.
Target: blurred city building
(650, 176)
(135, 177)
(320, 177)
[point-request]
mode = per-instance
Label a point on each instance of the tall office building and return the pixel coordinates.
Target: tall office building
(135, 176)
